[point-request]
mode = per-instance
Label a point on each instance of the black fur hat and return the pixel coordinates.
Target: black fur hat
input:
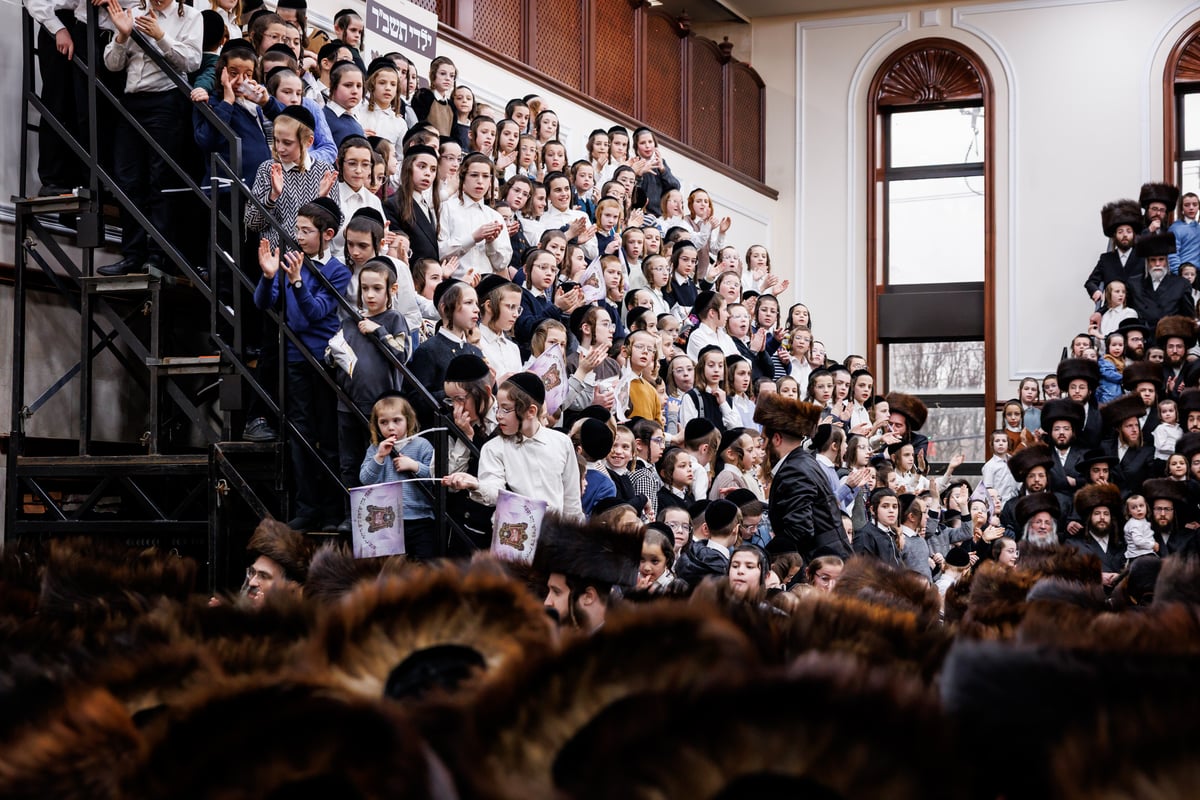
(1141, 372)
(1121, 212)
(1033, 504)
(1189, 401)
(1064, 409)
(1156, 244)
(1114, 412)
(913, 409)
(1038, 455)
(1097, 494)
(589, 552)
(1165, 489)
(1176, 327)
(1163, 193)
(1070, 369)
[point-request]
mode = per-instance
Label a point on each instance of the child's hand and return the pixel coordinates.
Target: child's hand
(576, 228)
(405, 464)
(64, 44)
(725, 223)
(613, 247)
(122, 19)
(636, 218)
(292, 262)
(366, 327)
(449, 265)
(782, 287)
(268, 258)
(506, 160)
(148, 24)
(199, 95)
(369, 132)
(385, 449)
(460, 480)
(327, 182)
(588, 234)
(276, 180)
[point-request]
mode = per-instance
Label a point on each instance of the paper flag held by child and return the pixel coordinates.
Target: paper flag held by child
(516, 526)
(377, 516)
(552, 369)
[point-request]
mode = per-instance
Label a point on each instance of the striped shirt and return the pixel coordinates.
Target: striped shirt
(299, 187)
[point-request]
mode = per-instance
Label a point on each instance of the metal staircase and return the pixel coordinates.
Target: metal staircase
(185, 482)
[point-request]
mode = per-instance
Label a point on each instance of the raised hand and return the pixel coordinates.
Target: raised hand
(292, 262)
(148, 24)
(327, 182)
(122, 20)
(276, 180)
(268, 258)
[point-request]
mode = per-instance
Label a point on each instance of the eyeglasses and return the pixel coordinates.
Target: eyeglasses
(680, 527)
(645, 348)
(748, 528)
(505, 409)
(263, 577)
(657, 440)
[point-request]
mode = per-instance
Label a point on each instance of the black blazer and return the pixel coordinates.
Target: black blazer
(871, 540)
(804, 512)
(1135, 467)
(1060, 472)
(1174, 296)
(1111, 561)
(422, 231)
(1108, 269)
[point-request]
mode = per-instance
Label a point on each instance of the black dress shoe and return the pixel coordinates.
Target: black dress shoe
(303, 524)
(126, 266)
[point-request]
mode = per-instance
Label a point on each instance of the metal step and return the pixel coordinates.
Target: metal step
(186, 365)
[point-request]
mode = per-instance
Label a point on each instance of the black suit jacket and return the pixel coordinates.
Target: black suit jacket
(421, 230)
(1089, 438)
(1108, 268)
(804, 512)
(1060, 472)
(871, 540)
(1174, 296)
(1135, 467)
(1111, 561)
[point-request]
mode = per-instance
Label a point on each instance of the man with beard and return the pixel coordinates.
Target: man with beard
(804, 512)
(1165, 497)
(1157, 199)
(584, 563)
(908, 415)
(1096, 467)
(1061, 419)
(1078, 378)
(1100, 508)
(281, 557)
(1030, 468)
(1158, 293)
(1135, 459)
(1189, 411)
(1136, 333)
(1121, 221)
(1145, 380)
(1176, 334)
(1037, 517)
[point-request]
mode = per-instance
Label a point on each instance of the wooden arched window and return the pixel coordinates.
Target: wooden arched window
(931, 254)
(1181, 112)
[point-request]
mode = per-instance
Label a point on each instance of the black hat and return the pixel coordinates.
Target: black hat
(729, 438)
(696, 428)
(733, 359)
(698, 509)
(1023, 461)
(742, 497)
(1121, 212)
(334, 210)
(1189, 375)
(1116, 411)
(1084, 369)
(576, 319)
(442, 288)
(1189, 401)
(595, 438)
(532, 385)
(958, 557)
(1097, 494)
(1093, 457)
(821, 436)
(1176, 327)
(382, 62)
(330, 49)
(709, 348)
(1062, 409)
(273, 71)
(299, 5)
(239, 44)
(252, 6)
(1156, 244)
(703, 301)
(1165, 489)
(720, 514)
(596, 412)
(466, 368)
(1188, 445)
(368, 213)
(489, 283)
(1135, 324)
(589, 552)
(1141, 372)
(1031, 505)
(637, 503)
(1163, 193)
(300, 114)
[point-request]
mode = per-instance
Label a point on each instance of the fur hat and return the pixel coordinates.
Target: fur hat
(1121, 212)
(589, 552)
(797, 419)
(1070, 369)
(1165, 489)
(1163, 193)
(334, 571)
(1189, 401)
(911, 407)
(1114, 412)
(1189, 375)
(1093, 457)
(1023, 461)
(1031, 505)
(1176, 327)
(284, 546)
(874, 581)
(1141, 372)
(1062, 409)
(380, 626)
(1097, 494)
(1188, 444)
(1156, 244)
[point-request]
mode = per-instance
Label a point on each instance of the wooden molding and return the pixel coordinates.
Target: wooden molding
(1183, 66)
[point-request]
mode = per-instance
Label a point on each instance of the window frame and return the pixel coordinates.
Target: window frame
(1181, 76)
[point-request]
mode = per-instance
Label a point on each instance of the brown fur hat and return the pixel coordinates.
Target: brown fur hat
(1141, 372)
(1037, 455)
(1178, 581)
(1176, 327)
(334, 571)
(1084, 369)
(996, 603)
(1061, 408)
(1163, 193)
(1121, 212)
(505, 740)
(267, 737)
(1097, 494)
(284, 546)
(87, 574)
(1166, 489)
(1060, 561)
(589, 551)
(795, 418)
(913, 409)
(376, 627)
(1115, 412)
(1155, 244)
(807, 747)
(1032, 504)
(873, 581)
(1189, 401)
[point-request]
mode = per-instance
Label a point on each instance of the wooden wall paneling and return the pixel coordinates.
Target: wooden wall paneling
(1183, 66)
(746, 119)
(614, 56)
(706, 93)
(499, 25)
(558, 42)
(662, 81)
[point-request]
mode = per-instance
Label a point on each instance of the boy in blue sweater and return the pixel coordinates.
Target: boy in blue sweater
(310, 310)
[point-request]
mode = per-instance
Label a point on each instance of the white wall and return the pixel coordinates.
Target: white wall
(1077, 121)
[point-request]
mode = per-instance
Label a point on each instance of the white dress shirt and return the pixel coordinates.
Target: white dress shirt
(43, 13)
(183, 36)
(702, 336)
(541, 466)
(383, 122)
(552, 220)
(500, 352)
(351, 201)
(459, 219)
